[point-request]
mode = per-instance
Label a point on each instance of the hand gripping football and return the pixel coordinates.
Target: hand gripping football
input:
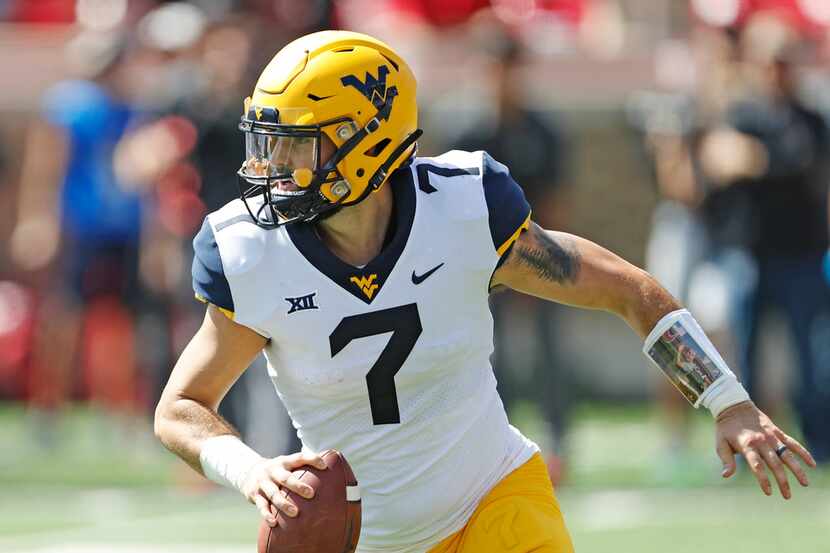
(329, 522)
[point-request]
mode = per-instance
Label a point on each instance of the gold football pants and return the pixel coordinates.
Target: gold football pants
(519, 515)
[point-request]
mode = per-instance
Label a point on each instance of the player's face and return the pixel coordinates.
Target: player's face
(281, 157)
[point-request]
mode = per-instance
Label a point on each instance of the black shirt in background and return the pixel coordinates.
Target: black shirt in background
(787, 206)
(531, 146)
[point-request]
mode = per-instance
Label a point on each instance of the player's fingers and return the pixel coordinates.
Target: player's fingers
(777, 467)
(727, 457)
(795, 447)
(283, 504)
(311, 459)
(287, 480)
(263, 506)
(789, 459)
(268, 488)
(756, 465)
(297, 486)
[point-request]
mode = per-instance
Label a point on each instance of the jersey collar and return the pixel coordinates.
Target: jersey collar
(363, 283)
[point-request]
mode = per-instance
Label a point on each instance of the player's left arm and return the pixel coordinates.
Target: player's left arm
(568, 269)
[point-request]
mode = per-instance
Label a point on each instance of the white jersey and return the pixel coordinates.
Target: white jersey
(388, 363)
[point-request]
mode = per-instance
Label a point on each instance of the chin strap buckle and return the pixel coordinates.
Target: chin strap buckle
(372, 126)
(378, 178)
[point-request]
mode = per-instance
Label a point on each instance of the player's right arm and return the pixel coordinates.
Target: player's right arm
(187, 421)
(188, 424)
(216, 356)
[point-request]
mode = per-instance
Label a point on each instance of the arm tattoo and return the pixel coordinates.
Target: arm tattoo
(552, 258)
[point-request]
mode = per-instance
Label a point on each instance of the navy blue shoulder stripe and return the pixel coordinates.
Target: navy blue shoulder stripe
(209, 282)
(507, 207)
(424, 169)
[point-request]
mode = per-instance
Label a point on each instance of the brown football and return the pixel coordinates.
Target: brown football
(329, 522)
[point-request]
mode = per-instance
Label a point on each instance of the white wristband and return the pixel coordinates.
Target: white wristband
(227, 461)
(680, 348)
(730, 392)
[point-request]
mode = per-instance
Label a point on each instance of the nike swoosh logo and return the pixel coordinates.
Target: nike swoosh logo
(418, 279)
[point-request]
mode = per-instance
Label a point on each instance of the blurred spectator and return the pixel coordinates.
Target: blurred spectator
(533, 146)
(202, 77)
(15, 311)
(165, 74)
(76, 217)
(782, 146)
(698, 229)
(751, 169)
(225, 52)
(225, 58)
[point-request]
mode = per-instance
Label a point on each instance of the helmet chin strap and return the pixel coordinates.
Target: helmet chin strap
(380, 175)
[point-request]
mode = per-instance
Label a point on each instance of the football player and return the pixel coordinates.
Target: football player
(363, 273)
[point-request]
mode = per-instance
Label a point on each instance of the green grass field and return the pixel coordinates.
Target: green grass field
(97, 491)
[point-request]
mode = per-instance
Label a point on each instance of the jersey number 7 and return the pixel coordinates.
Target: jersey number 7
(405, 325)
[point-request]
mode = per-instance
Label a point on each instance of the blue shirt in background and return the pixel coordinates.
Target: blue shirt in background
(94, 205)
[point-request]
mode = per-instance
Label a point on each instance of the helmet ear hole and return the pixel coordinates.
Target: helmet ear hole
(360, 172)
(376, 150)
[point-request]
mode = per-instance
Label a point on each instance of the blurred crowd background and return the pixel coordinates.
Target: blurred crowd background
(688, 136)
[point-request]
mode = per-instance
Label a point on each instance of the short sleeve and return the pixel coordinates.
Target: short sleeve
(507, 208)
(77, 106)
(209, 282)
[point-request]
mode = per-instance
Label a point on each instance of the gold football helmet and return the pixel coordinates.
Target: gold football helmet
(348, 87)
